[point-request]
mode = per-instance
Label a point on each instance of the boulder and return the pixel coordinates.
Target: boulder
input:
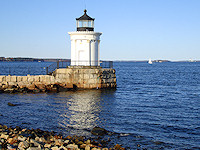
(54, 148)
(62, 148)
(31, 86)
(21, 138)
(22, 84)
(99, 131)
(4, 136)
(47, 145)
(9, 90)
(10, 104)
(34, 148)
(72, 146)
(118, 147)
(41, 87)
(23, 90)
(87, 147)
(12, 140)
(23, 145)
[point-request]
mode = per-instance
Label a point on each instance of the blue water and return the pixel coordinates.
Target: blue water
(155, 106)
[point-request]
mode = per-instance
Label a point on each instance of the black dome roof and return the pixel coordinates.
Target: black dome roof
(85, 16)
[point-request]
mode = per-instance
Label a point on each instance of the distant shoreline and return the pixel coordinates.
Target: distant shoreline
(26, 59)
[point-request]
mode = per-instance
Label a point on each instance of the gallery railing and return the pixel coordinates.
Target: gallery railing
(35, 69)
(65, 64)
(22, 71)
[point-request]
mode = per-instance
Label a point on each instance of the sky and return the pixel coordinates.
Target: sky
(131, 29)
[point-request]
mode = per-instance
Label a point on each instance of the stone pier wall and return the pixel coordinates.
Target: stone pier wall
(86, 78)
(61, 79)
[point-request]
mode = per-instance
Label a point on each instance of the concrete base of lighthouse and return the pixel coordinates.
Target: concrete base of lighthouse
(86, 77)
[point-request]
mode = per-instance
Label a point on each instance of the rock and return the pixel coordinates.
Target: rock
(10, 147)
(57, 142)
(4, 136)
(24, 90)
(83, 146)
(24, 130)
(72, 146)
(87, 147)
(95, 143)
(37, 139)
(42, 140)
(10, 104)
(54, 148)
(21, 138)
(13, 140)
(47, 145)
(5, 127)
(23, 145)
(80, 143)
(76, 141)
(34, 148)
(21, 85)
(31, 87)
(5, 86)
(118, 147)
(69, 137)
(34, 142)
(9, 90)
(104, 143)
(66, 141)
(62, 148)
(88, 142)
(51, 88)
(26, 144)
(41, 87)
(36, 91)
(98, 131)
(17, 128)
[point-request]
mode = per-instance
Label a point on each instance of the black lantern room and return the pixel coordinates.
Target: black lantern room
(85, 22)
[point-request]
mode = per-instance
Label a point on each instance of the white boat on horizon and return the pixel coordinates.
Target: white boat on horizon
(150, 62)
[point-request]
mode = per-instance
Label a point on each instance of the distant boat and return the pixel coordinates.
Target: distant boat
(150, 62)
(191, 60)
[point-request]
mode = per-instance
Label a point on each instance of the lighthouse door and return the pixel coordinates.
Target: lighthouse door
(81, 58)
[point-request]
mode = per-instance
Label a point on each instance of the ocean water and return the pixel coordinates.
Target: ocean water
(154, 106)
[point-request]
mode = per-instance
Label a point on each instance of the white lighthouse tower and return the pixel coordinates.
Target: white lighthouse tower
(85, 42)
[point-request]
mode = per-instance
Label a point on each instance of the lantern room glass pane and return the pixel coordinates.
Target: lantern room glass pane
(92, 23)
(89, 23)
(85, 23)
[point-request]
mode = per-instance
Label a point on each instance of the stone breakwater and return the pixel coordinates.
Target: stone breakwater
(60, 80)
(36, 139)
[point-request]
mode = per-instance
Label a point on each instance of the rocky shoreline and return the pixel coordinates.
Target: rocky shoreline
(36, 139)
(35, 88)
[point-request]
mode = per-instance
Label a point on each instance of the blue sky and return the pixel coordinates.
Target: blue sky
(132, 29)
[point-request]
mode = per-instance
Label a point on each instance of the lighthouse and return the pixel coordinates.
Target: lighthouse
(85, 42)
(85, 71)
